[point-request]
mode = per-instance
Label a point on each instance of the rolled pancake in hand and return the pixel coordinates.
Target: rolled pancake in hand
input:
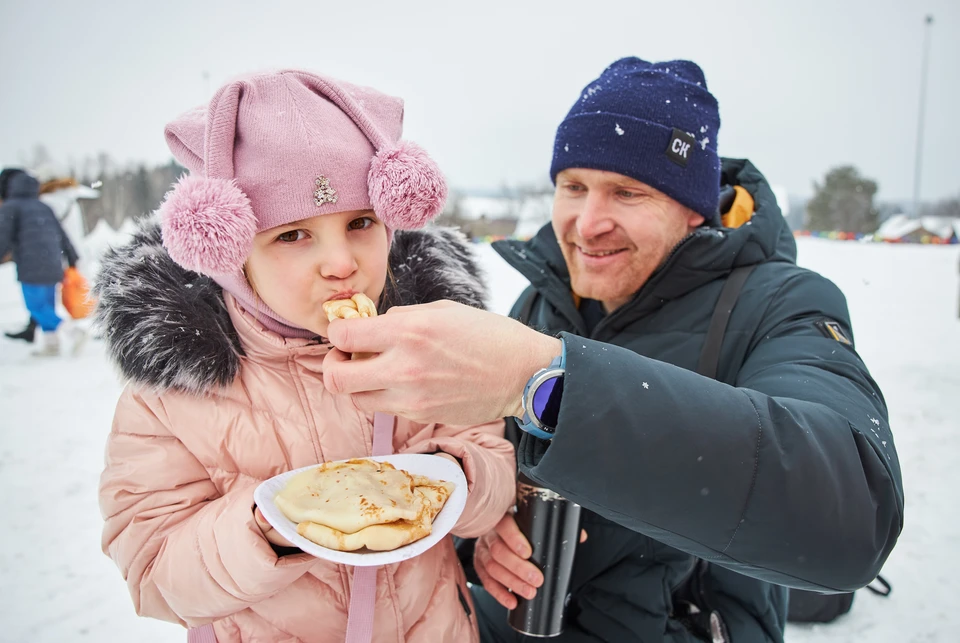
(359, 305)
(362, 503)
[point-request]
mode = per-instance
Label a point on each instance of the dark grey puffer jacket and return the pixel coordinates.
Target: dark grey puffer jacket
(783, 472)
(30, 229)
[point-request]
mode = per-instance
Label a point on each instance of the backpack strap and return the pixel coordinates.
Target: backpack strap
(690, 602)
(884, 588)
(710, 354)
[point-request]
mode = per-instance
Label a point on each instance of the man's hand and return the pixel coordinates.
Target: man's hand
(500, 559)
(439, 362)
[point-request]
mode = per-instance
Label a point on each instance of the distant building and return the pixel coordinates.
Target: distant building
(900, 227)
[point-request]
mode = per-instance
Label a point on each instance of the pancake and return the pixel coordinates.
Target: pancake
(359, 305)
(362, 503)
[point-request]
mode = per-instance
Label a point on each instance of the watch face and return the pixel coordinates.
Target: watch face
(546, 401)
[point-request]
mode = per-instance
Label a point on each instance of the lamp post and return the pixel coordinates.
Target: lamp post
(928, 23)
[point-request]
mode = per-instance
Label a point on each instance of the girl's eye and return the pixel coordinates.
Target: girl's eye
(360, 224)
(290, 236)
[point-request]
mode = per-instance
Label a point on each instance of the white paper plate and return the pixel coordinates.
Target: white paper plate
(431, 466)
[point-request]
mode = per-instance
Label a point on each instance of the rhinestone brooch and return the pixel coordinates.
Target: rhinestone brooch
(324, 192)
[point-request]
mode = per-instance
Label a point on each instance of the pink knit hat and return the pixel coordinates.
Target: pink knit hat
(274, 148)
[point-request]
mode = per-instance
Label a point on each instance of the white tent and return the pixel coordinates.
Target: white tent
(65, 204)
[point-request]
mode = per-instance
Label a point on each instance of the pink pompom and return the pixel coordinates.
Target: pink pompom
(407, 189)
(208, 225)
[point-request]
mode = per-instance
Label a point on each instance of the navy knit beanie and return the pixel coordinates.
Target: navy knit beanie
(653, 122)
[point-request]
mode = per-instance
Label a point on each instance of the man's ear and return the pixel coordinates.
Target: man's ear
(694, 219)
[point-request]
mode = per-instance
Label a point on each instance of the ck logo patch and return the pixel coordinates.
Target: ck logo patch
(680, 147)
(832, 330)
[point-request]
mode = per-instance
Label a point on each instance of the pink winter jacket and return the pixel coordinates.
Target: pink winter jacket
(177, 498)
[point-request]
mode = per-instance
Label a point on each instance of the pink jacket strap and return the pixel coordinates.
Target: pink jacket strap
(363, 597)
(383, 434)
(202, 634)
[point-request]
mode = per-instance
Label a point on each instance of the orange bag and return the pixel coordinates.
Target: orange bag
(75, 294)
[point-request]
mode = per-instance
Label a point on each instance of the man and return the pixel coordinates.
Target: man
(780, 471)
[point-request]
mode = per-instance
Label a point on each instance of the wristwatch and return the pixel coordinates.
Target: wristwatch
(541, 399)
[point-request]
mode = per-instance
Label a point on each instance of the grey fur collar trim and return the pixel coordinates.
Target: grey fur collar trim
(168, 328)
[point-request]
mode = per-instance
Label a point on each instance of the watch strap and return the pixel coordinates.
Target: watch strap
(526, 423)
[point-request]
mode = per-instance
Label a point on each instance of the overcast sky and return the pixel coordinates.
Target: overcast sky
(803, 85)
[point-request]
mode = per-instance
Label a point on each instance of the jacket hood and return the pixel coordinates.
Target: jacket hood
(23, 186)
(709, 253)
(169, 328)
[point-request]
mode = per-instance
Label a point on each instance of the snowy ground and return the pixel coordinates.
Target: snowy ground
(54, 414)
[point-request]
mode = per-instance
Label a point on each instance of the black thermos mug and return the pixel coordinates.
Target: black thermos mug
(552, 525)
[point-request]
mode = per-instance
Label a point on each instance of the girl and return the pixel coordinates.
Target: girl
(297, 185)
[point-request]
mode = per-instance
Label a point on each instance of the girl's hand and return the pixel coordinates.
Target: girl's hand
(271, 534)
